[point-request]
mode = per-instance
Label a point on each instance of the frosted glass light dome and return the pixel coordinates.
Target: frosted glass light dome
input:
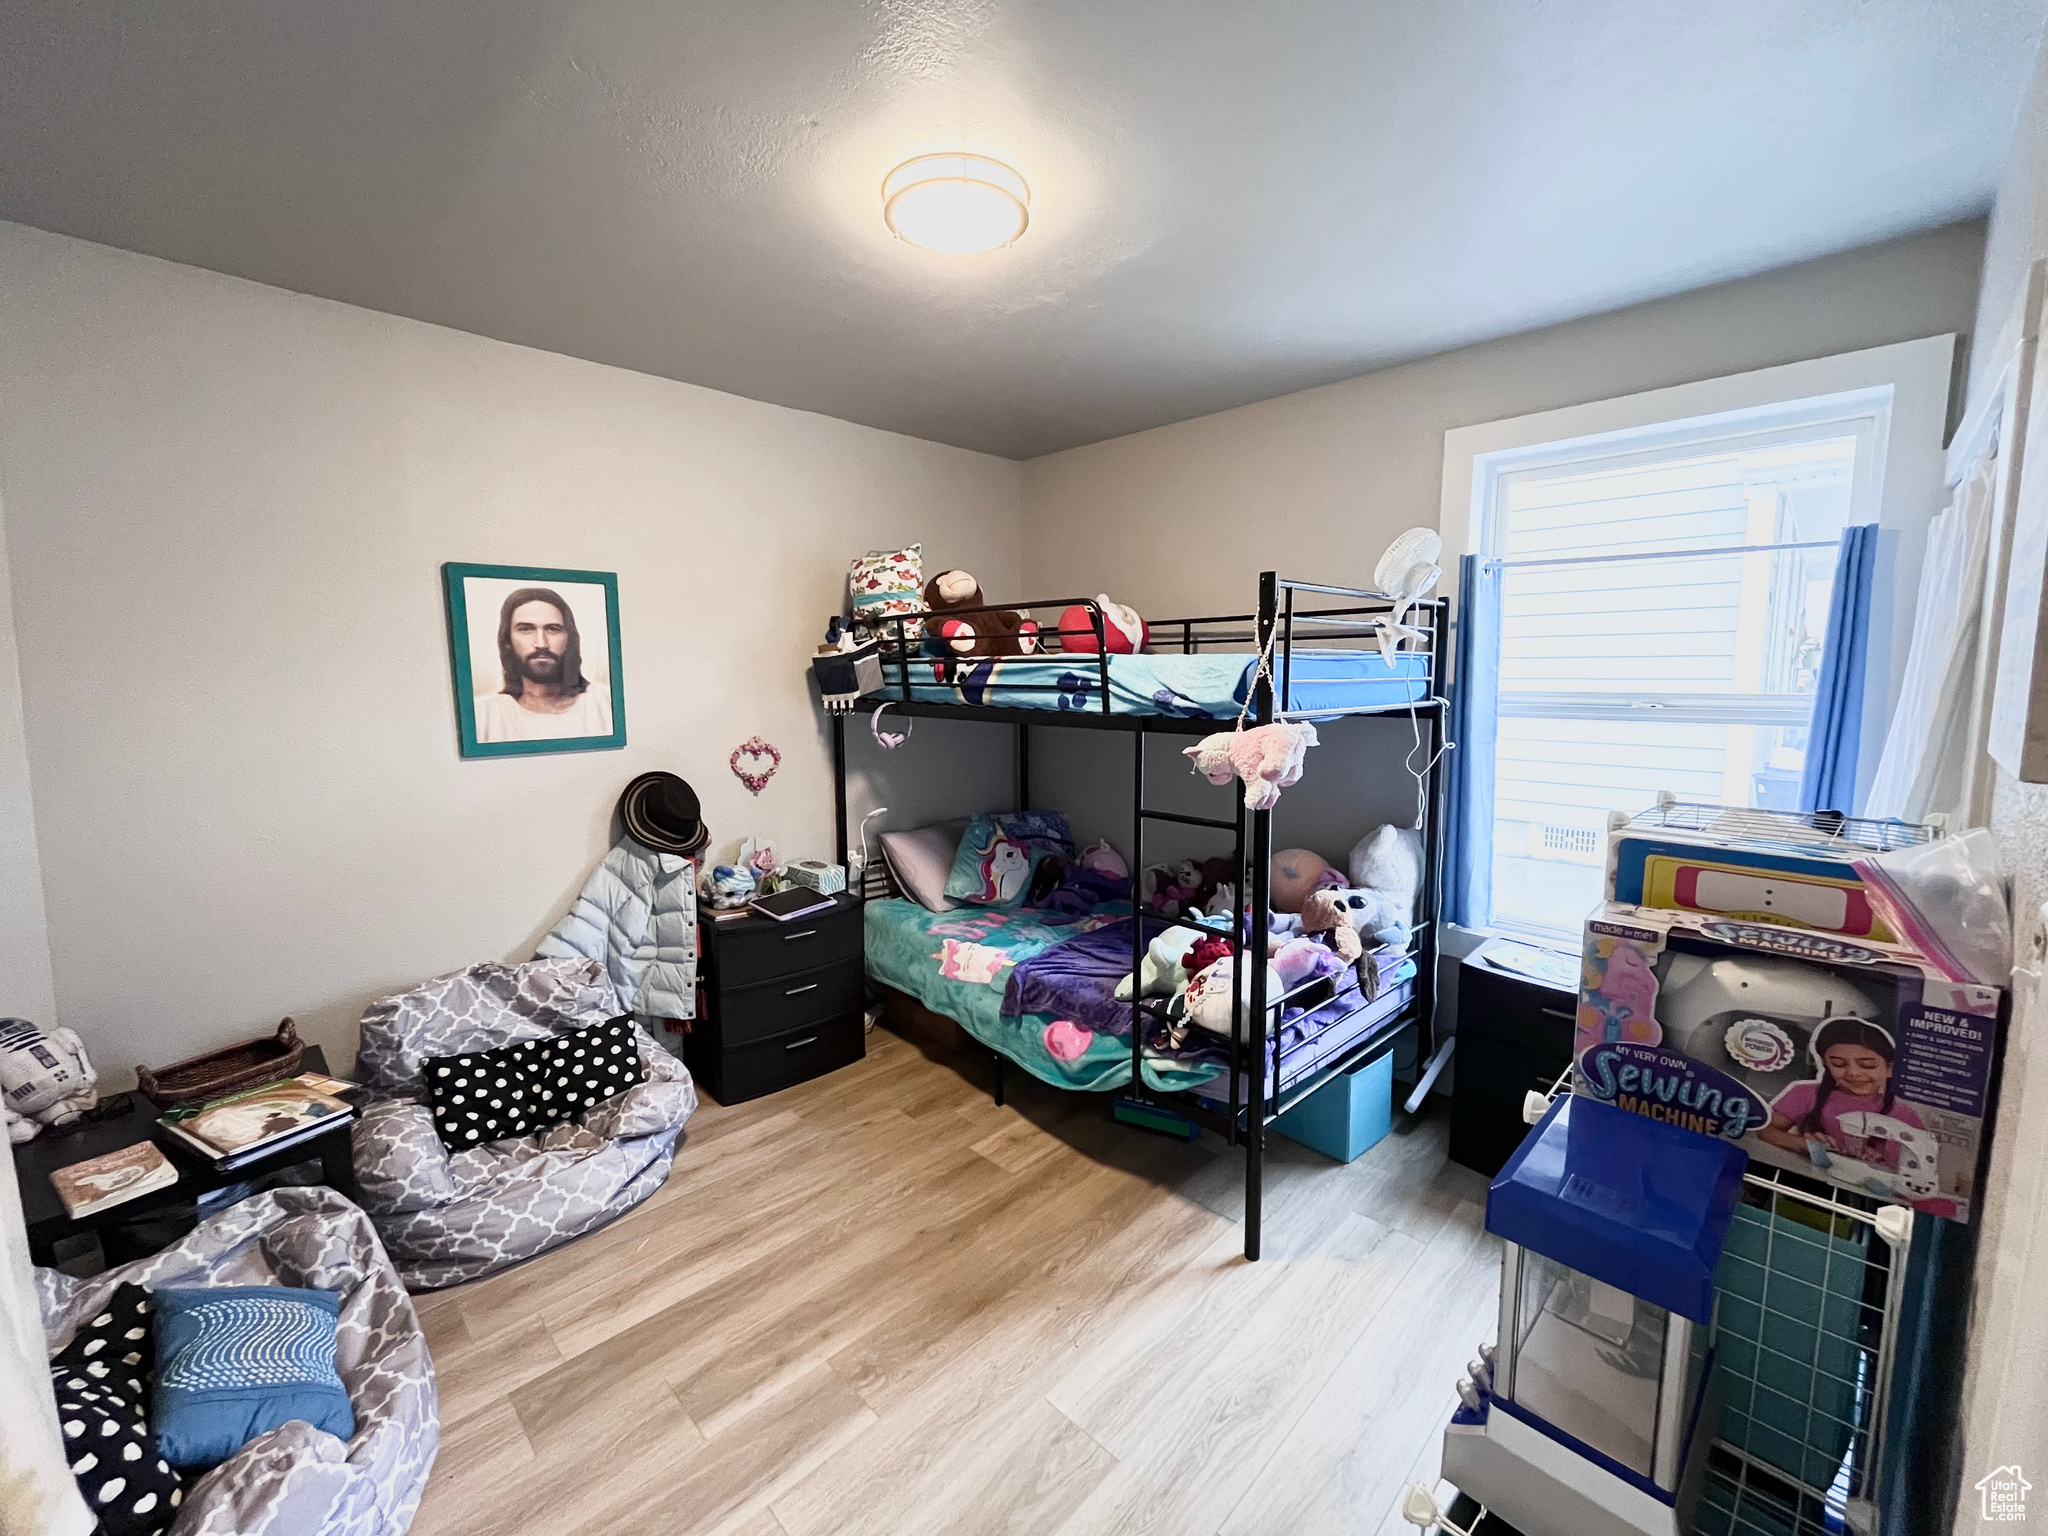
(958, 205)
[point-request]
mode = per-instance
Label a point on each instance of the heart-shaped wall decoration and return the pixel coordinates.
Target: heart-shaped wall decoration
(754, 762)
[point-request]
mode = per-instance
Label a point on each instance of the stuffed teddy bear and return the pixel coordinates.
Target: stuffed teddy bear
(45, 1076)
(1267, 757)
(998, 632)
(1180, 890)
(1123, 632)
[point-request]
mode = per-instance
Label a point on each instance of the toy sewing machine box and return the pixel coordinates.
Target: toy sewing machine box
(1742, 986)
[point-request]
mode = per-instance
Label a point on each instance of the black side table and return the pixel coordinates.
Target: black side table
(783, 1000)
(1514, 1035)
(49, 1223)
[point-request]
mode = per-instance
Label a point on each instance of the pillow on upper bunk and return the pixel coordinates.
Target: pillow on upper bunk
(999, 854)
(886, 582)
(921, 862)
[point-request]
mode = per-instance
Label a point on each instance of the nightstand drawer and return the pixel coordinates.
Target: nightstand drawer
(760, 950)
(1516, 1012)
(781, 1061)
(778, 1006)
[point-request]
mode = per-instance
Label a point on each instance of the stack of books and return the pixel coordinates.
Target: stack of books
(244, 1127)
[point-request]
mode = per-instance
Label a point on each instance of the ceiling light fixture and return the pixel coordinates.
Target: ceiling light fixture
(958, 205)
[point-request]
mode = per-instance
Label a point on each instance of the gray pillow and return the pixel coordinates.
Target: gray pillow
(921, 860)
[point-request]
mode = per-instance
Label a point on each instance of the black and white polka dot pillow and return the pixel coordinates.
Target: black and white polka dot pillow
(593, 1064)
(102, 1382)
(487, 1096)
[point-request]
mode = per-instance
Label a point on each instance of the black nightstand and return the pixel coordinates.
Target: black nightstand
(48, 1222)
(1514, 1035)
(783, 1001)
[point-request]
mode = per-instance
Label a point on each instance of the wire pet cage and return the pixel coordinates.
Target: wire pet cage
(1807, 833)
(1809, 1297)
(1810, 1287)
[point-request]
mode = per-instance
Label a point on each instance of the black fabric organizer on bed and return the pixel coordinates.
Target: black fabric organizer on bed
(1311, 680)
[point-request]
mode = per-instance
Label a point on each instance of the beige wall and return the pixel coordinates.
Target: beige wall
(227, 507)
(26, 991)
(2005, 1413)
(1318, 482)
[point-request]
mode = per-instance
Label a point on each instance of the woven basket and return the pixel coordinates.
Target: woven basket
(247, 1065)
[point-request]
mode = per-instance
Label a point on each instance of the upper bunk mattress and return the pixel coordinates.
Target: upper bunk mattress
(1209, 686)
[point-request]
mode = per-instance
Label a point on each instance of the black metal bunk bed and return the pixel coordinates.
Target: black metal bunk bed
(1274, 629)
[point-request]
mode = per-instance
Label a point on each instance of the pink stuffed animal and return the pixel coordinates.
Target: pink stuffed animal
(1267, 757)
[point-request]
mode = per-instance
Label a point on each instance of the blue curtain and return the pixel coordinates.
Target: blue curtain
(1829, 781)
(1475, 707)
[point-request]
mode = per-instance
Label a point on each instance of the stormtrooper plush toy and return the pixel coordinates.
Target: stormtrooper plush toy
(45, 1078)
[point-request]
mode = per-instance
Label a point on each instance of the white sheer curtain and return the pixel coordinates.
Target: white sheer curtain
(1926, 751)
(36, 1491)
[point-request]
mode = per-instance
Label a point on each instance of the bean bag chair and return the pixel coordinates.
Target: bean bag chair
(298, 1480)
(447, 1217)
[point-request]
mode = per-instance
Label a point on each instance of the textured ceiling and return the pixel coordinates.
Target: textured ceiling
(1231, 201)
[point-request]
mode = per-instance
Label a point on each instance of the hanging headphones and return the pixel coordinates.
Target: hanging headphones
(888, 741)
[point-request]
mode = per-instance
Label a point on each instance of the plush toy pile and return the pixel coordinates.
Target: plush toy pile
(1320, 926)
(1188, 889)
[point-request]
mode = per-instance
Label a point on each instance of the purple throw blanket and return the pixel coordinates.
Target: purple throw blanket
(1077, 979)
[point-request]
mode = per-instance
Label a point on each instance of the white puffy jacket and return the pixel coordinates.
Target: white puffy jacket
(637, 917)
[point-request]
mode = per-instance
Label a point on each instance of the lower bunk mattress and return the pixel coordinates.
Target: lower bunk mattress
(959, 963)
(963, 963)
(1204, 686)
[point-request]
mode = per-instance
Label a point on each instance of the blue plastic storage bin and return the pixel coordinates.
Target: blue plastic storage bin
(1348, 1114)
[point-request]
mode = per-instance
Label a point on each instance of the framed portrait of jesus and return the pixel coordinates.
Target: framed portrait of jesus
(535, 652)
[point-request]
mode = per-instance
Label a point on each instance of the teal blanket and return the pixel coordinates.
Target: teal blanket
(957, 963)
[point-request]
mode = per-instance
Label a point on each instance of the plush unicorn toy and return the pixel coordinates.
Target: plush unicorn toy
(1267, 757)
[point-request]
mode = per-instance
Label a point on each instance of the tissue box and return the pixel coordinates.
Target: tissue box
(826, 879)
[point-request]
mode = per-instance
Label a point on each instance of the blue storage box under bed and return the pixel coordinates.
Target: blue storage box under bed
(1349, 1114)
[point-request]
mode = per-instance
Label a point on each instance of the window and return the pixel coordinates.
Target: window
(1664, 601)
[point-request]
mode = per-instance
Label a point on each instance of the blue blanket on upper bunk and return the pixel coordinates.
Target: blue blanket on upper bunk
(1209, 686)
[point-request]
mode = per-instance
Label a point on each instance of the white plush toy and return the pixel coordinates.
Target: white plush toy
(45, 1077)
(1208, 995)
(1162, 972)
(1389, 859)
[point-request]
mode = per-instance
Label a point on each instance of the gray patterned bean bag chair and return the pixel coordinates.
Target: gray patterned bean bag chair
(449, 1216)
(298, 1480)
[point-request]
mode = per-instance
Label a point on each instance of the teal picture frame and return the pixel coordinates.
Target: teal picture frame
(463, 583)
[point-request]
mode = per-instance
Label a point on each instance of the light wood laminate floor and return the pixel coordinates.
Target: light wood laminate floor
(878, 1303)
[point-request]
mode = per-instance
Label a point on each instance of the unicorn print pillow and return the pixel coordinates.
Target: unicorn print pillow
(998, 855)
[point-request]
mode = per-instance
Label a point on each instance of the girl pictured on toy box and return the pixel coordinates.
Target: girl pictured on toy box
(1855, 1059)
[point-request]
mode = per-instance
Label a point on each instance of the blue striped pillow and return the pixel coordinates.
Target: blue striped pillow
(237, 1361)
